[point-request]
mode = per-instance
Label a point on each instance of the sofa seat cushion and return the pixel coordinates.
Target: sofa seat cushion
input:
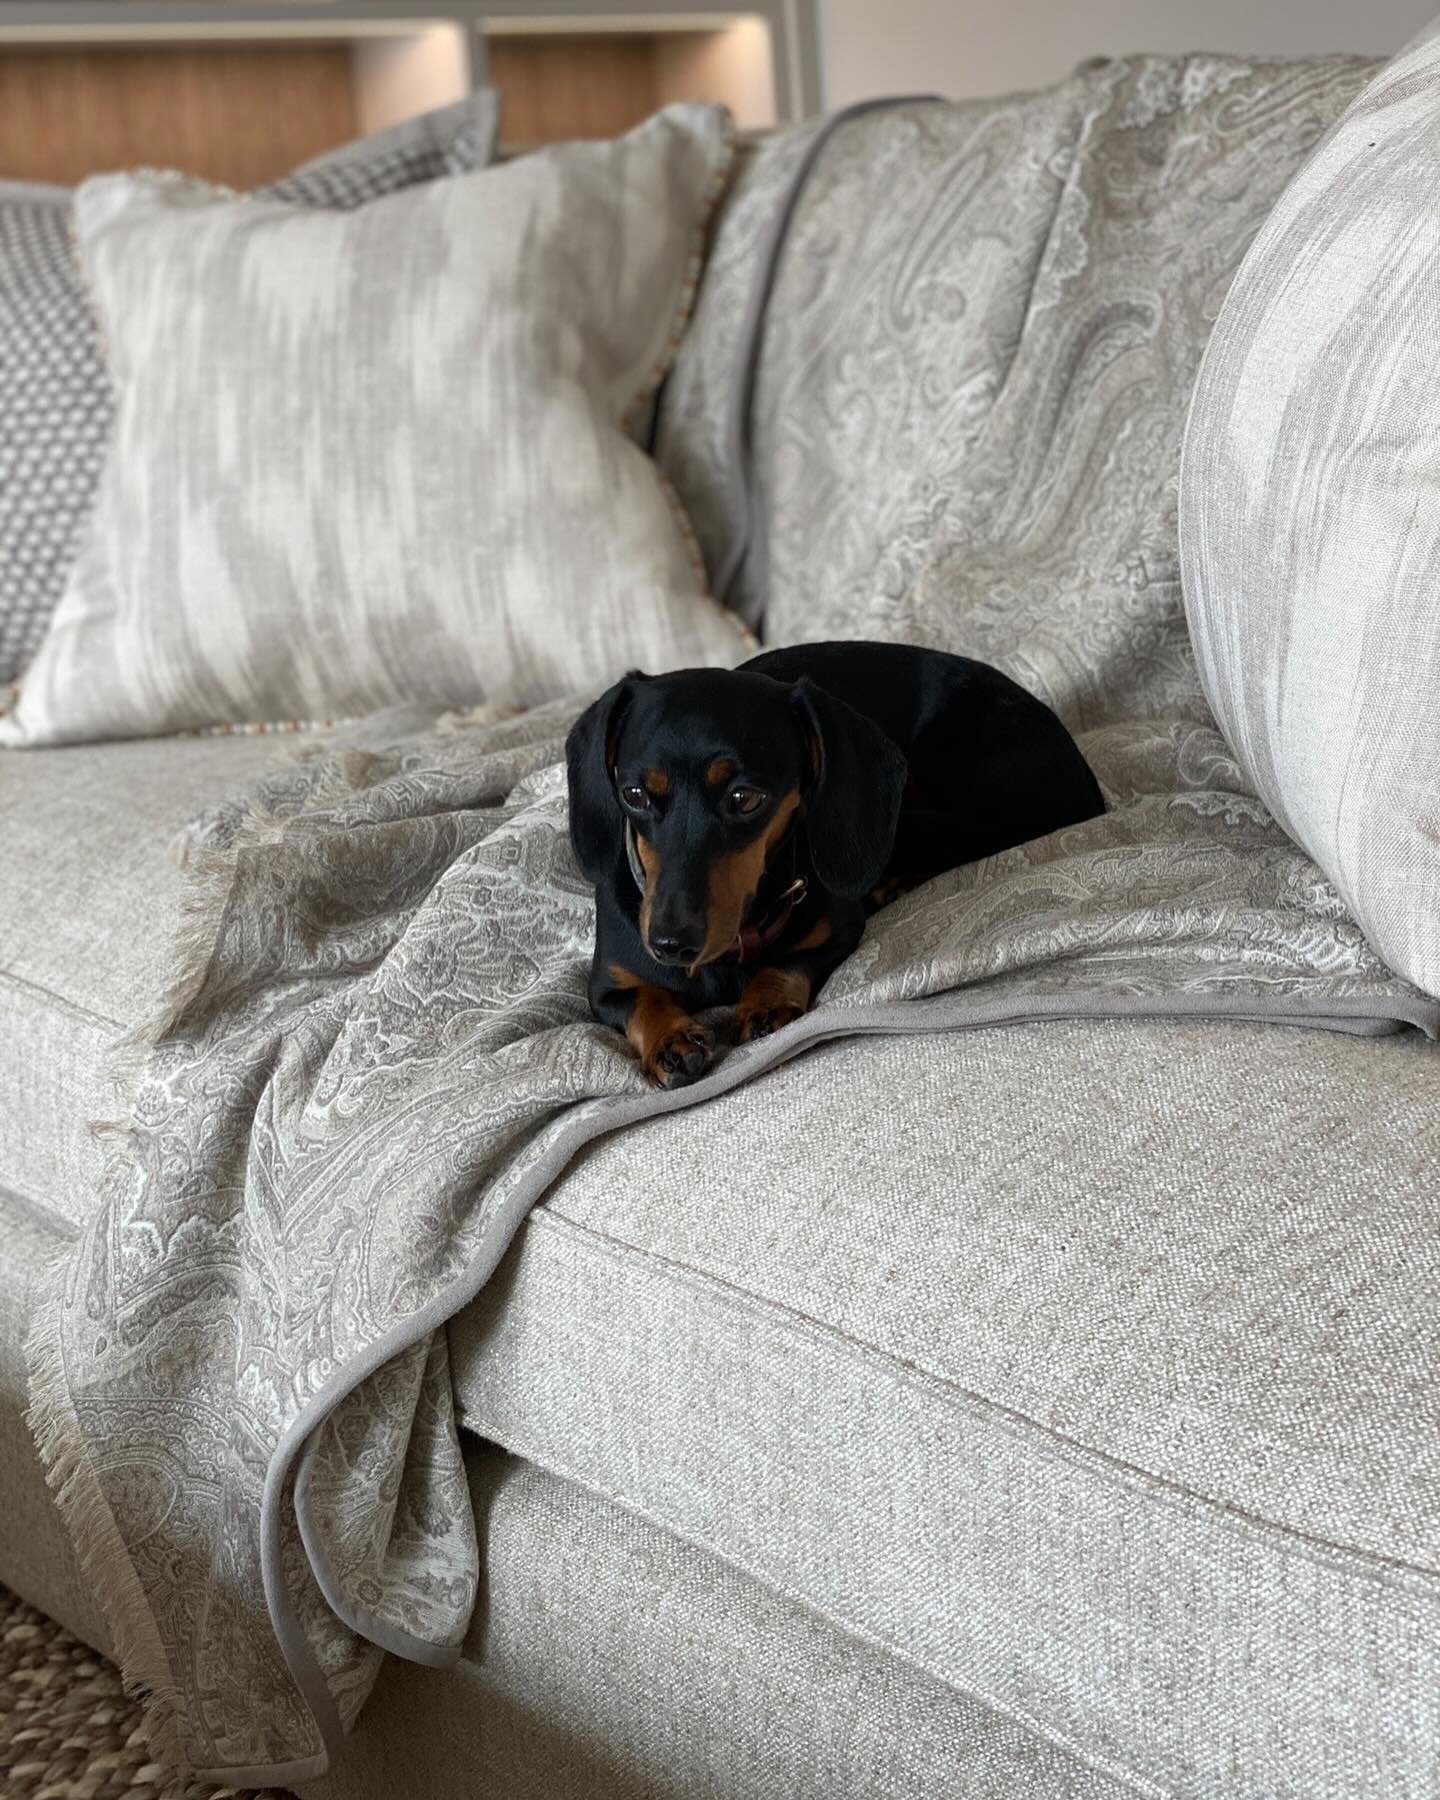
(1090, 1366)
(89, 898)
(610, 1660)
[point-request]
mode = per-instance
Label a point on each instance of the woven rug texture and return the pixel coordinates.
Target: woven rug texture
(68, 1730)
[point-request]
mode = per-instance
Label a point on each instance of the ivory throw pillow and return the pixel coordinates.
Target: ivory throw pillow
(371, 457)
(54, 394)
(1310, 511)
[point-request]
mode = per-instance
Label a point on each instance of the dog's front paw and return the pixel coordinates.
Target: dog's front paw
(773, 999)
(681, 1056)
(762, 1021)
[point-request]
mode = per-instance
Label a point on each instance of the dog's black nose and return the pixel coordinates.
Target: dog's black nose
(673, 950)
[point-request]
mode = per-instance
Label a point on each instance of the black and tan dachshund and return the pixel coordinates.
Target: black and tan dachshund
(739, 824)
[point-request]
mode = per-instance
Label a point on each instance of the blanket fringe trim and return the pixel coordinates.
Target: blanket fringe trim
(208, 883)
(104, 1560)
(59, 1441)
(70, 1473)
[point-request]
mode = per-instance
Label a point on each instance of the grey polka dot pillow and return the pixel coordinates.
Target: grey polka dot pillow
(55, 403)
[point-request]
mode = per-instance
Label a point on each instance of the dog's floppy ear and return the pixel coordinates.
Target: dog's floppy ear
(853, 806)
(595, 817)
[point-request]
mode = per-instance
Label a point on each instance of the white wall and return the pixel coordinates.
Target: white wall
(962, 47)
(733, 65)
(399, 77)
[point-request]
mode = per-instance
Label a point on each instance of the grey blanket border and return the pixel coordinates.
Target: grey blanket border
(961, 1010)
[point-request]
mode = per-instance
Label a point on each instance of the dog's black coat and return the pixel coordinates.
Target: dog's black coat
(876, 766)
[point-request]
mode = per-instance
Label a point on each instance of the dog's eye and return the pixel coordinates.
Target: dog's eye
(744, 800)
(635, 798)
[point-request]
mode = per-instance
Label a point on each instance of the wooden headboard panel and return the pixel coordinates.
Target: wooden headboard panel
(242, 114)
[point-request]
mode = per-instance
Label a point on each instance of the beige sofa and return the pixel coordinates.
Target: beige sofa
(846, 1485)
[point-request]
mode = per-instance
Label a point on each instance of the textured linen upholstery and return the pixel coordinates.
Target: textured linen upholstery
(1073, 1372)
(591, 1617)
(55, 402)
(36, 1557)
(409, 476)
(612, 1661)
(89, 898)
(1310, 517)
(608, 1659)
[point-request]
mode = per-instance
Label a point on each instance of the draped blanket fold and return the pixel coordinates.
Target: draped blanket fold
(377, 1053)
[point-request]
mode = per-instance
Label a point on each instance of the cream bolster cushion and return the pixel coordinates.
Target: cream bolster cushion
(1310, 511)
(379, 456)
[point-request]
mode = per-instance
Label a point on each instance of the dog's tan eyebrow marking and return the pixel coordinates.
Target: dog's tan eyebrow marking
(719, 772)
(657, 782)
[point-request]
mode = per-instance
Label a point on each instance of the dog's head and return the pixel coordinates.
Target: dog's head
(708, 772)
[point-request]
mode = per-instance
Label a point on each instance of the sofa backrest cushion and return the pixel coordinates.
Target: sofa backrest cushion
(1310, 511)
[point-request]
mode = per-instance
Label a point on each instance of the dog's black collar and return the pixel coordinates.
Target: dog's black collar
(759, 934)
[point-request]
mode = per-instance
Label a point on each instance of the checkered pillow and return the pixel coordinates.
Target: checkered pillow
(55, 405)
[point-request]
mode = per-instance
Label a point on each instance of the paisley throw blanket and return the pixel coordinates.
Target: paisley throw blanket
(377, 1053)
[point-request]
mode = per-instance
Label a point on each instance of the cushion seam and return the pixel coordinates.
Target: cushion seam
(41, 1214)
(60, 1001)
(1047, 1734)
(1320, 1551)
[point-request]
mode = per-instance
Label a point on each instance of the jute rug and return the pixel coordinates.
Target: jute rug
(68, 1730)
